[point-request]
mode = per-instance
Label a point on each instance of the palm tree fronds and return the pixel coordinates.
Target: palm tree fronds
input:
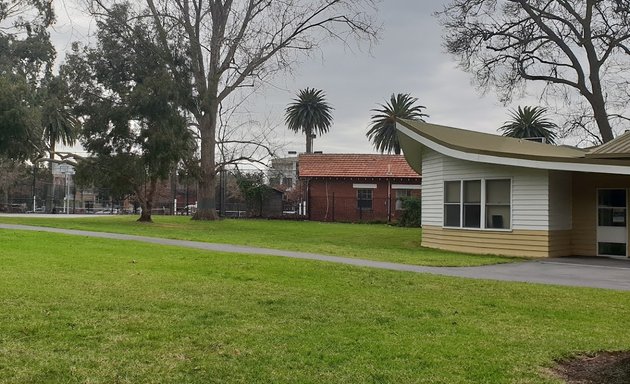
(310, 114)
(530, 122)
(382, 132)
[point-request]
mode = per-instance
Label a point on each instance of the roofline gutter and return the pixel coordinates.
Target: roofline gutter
(517, 162)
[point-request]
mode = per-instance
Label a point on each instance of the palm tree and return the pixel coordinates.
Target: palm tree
(309, 114)
(58, 125)
(382, 131)
(529, 122)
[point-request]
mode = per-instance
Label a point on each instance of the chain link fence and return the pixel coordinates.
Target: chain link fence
(41, 192)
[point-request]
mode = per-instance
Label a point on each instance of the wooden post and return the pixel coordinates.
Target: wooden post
(333, 206)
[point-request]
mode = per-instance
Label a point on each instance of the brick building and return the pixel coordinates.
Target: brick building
(356, 187)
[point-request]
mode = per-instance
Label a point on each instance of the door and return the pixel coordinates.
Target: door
(612, 232)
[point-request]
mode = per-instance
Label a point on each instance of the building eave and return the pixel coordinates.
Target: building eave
(575, 164)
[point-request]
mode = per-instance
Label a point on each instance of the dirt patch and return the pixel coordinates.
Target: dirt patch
(600, 368)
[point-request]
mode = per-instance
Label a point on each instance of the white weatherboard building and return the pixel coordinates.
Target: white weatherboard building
(491, 194)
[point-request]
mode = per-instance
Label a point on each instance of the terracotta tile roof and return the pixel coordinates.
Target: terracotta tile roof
(355, 165)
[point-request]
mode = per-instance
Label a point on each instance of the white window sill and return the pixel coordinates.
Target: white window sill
(479, 229)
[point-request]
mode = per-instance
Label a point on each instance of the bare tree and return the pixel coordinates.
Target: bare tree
(234, 43)
(578, 45)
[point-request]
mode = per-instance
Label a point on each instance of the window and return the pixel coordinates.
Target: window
(452, 198)
(478, 204)
(472, 204)
(400, 195)
(498, 204)
(611, 208)
(364, 199)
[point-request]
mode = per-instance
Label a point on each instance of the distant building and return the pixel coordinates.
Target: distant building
(356, 187)
(283, 172)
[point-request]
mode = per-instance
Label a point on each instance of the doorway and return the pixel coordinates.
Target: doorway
(612, 232)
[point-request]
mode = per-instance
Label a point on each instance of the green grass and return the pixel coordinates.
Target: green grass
(84, 310)
(368, 241)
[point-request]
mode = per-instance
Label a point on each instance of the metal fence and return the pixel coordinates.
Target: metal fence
(43, 193)
(351, 209)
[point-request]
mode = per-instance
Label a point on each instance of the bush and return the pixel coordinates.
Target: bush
(412, 212)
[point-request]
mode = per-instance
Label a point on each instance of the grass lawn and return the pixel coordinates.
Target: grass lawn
(369, 241)
(84, 310)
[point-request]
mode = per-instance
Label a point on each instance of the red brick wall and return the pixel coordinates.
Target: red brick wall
(336, 200)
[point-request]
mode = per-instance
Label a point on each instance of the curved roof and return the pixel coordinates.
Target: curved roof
(613, 157)
(486, 143)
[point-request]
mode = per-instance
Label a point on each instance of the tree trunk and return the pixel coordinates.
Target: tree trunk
(146, 202)
(596, 99)
(309, 142)
(599, 109)
(145, 216)
(601, 117)
(206, 199)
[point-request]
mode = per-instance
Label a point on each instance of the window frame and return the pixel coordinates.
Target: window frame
(398, 205)
(457, 204)
(359, 199)
(483, 204)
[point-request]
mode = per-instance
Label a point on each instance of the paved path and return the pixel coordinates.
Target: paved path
(570, 271)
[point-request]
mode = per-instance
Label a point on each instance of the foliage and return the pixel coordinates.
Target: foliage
(254, 189)
(310, 114)
(579, 50)
(59, 124)
(530, 122)
(382, 132)
(118, 174)
(412, 212)
(11, 171)
(107, 311)
(131, 100)
(17, 119)
(26, 57)
(227, 46)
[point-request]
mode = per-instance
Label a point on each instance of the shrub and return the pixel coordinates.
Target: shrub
(412, 212)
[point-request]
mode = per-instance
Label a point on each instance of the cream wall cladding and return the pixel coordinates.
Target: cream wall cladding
(560, 200)
(530, 190)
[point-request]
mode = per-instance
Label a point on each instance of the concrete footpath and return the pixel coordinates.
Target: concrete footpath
(595, 272)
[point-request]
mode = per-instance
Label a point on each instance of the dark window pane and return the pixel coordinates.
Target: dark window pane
(498, 216)
(451, 215)
(472, 191)
(472, 216)
(498, 192)
(364, 198)
(611, 249)
(452, 191)
(611, 217)
(612, 198)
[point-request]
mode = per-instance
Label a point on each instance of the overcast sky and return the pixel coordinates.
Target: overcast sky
(409, 58)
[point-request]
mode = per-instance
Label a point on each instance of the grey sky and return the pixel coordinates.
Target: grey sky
(408, 58)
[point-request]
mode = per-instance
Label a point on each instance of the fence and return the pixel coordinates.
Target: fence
(351, 209)
(51, 197)
(41, 193)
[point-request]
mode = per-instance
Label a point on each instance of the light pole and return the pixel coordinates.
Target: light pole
(67, 195)
(65, 198)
